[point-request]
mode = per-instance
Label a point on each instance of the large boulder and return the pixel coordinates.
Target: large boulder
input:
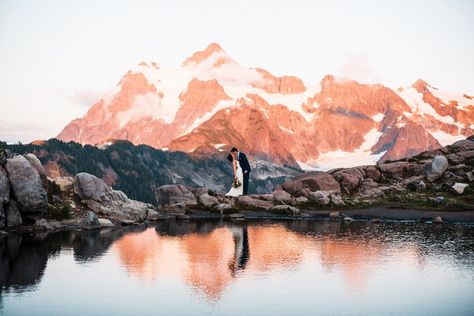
(394, 170)
(462, 145)
(437, 168)
(175, 193)
(36, 163)
(248, 202)
(27, 187)
(282, 197)
(207, 200)
(90, 221)
(302, 184)
(373, 173)
(89, 187)
(320, 197)
(113, 204)
(285, 210)
(350, 179)
(4, 195)
(13, 216)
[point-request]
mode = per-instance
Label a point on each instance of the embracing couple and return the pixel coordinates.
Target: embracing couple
(241, 169)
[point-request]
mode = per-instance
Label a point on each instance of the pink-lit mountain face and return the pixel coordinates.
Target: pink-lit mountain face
(211, 103)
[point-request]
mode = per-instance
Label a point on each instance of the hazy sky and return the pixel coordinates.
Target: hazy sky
(58, 57)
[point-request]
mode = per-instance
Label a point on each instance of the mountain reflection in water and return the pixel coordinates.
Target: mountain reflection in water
(211, 257)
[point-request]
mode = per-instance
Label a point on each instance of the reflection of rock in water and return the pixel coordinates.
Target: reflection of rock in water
(91, 244)
(23, 258)
(181, 228)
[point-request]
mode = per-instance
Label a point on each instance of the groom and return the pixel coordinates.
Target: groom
(244, 164)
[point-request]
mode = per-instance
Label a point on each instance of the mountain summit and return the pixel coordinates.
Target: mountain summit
(211, 102)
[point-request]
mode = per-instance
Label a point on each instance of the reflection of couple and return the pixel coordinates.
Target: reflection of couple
(241, 170)
(241, 256)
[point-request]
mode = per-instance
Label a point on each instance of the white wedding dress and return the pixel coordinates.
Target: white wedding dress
(240, 190)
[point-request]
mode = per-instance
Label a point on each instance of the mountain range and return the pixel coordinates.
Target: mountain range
(212, 103)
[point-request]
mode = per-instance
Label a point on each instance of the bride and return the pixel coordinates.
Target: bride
(238, 175)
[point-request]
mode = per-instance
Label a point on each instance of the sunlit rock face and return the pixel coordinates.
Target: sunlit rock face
(211, 102)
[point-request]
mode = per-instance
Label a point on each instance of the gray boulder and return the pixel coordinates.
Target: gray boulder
(394, 170)
(4, 187)
(175, 193)
(89, 221)
(416, 185)
(113, 204)
(320, 197)
(282, 197)
(302, 184)
(285, 210)
(207, 200)
(27, 187)
(350, 179)
(224, 208)
(254, 204)
(437, 168)
(36, 163)
(13, 216)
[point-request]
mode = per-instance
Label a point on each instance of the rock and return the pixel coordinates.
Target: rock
(285, 210)
(416, 185)
(459, 187)
(373, 173)
(65, 183)
(224, 208)
(4, 195)
(41, 222)
(89, 221)
(105, 222)
(301, 200)
(437, 220)
(153, 215)
(348, 219)
(437, 168)
(334, 215)
(376, 220)
(177, 208)
(27, 187)
(336, 199)
(462, 145)
(319, 197)
(3, 233)
(90, 187)
(313, 181)
(436, 200)
(370, 189)
(12, 214)
(237, 216)
(36, 163)
(394, 170)
(466, 154)
(182, 216)
(4, 187)
(255, 204)
(282, 197)
(455, 158)
(349, 179)
(470, 176)
(207, 200)
(175, 193)
(103, 200)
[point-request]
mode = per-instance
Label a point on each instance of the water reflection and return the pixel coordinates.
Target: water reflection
(210, 256)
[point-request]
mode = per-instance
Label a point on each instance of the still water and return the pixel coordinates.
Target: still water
(245, 268)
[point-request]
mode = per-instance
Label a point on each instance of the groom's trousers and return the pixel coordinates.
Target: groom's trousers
(246, 182)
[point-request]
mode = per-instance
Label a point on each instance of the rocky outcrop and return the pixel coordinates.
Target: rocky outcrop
(303, 184)
(103, 200)
(175, 194)
(27, 187)
(437, 168)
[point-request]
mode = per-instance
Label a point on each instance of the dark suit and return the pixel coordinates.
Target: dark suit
(244, 164)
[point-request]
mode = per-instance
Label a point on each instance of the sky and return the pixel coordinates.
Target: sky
(57, 58)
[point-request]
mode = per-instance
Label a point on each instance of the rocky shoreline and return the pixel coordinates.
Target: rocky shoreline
(434, 186)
